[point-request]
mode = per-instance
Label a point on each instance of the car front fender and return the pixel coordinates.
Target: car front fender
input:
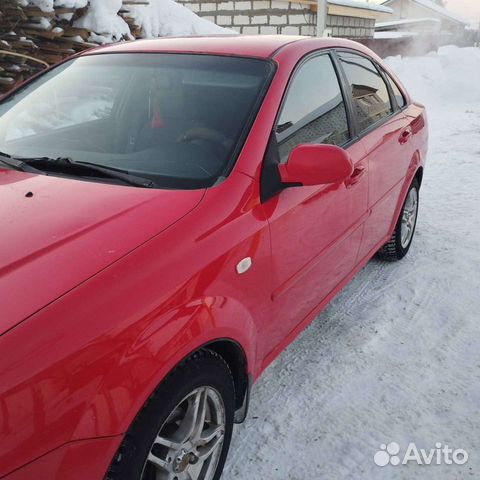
(156, 351)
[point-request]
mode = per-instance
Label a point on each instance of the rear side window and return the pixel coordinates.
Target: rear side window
(401, 102)
(369, 91)
(314, 109)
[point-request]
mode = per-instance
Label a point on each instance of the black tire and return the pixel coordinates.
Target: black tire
(204, 368)
(393, 250)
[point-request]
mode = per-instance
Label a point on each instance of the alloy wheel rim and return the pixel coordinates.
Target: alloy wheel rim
(409, 217)
(189, 443)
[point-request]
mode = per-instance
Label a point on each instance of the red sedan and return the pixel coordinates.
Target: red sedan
(173, 213)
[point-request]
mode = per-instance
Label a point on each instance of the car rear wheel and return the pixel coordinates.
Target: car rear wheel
(401, 239)
(184, 430)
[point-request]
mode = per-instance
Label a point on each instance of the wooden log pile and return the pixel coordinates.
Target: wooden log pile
(32, 39)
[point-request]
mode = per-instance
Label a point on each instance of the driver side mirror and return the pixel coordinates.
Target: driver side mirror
(312, 164)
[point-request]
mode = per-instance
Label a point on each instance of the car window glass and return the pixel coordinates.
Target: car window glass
(396, 92)
(177, 119)
(314, 109)
(369, 91)
(68, 105)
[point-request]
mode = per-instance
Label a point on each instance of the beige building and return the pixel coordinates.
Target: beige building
(426, 13)
(345, 18)
(359, 13)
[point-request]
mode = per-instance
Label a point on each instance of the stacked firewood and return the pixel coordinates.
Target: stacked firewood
(32, 39)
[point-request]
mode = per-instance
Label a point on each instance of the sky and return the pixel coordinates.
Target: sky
(470, 9)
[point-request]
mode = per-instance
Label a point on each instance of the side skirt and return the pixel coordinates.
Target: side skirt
(313, 313)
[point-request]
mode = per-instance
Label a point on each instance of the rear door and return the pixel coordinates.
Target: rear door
(315, 230)
(385, 132)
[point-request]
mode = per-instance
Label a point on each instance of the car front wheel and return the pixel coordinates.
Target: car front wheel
(184, 430)
(401, 239)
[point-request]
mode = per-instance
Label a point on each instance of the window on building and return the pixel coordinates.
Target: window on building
(314, 109)
(369, 91)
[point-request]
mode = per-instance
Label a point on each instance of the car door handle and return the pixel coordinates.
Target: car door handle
(405, 135)
(355, 177)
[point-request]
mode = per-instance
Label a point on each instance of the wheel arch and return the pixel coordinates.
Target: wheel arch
(415, 170)
(234, 355)
(419, 175)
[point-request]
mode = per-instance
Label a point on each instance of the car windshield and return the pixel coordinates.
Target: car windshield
(177, 119)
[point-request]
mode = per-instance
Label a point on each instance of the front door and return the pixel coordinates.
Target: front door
(316, 230)
(385, 135)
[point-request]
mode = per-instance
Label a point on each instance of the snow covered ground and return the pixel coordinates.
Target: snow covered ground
(396, 356)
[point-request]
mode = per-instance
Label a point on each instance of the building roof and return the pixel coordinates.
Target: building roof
(430, 4)
(362, 5)
(395, 34)
(405, 21)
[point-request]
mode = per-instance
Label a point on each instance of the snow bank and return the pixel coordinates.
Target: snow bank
(47, 5)
(102, 17)
(167, 18)
(158, 19)
(448, 78)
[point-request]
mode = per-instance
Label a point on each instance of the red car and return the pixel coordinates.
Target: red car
(173, 213)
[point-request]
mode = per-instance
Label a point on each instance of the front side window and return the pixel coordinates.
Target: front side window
(369, 91)
(177, 119)
(313, 110)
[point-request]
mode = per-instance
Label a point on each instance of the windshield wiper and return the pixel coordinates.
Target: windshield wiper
(283, 126)
(8, 160)
(66, 164)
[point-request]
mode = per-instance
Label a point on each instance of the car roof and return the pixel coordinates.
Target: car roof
(260, 46)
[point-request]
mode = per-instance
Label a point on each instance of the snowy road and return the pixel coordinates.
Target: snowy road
(396, 355)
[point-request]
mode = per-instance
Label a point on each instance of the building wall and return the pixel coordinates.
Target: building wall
(257, 16)
(425, 28)
(351, 27)
(403, 9)
(270, 17)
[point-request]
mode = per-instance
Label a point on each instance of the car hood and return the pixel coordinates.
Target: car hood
(55, 233)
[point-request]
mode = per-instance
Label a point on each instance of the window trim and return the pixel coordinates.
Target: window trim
(359, 135)
(298, 66)
(389, 79)
(270, 184)
(348, 98)
(393, 99)
(353, 128)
